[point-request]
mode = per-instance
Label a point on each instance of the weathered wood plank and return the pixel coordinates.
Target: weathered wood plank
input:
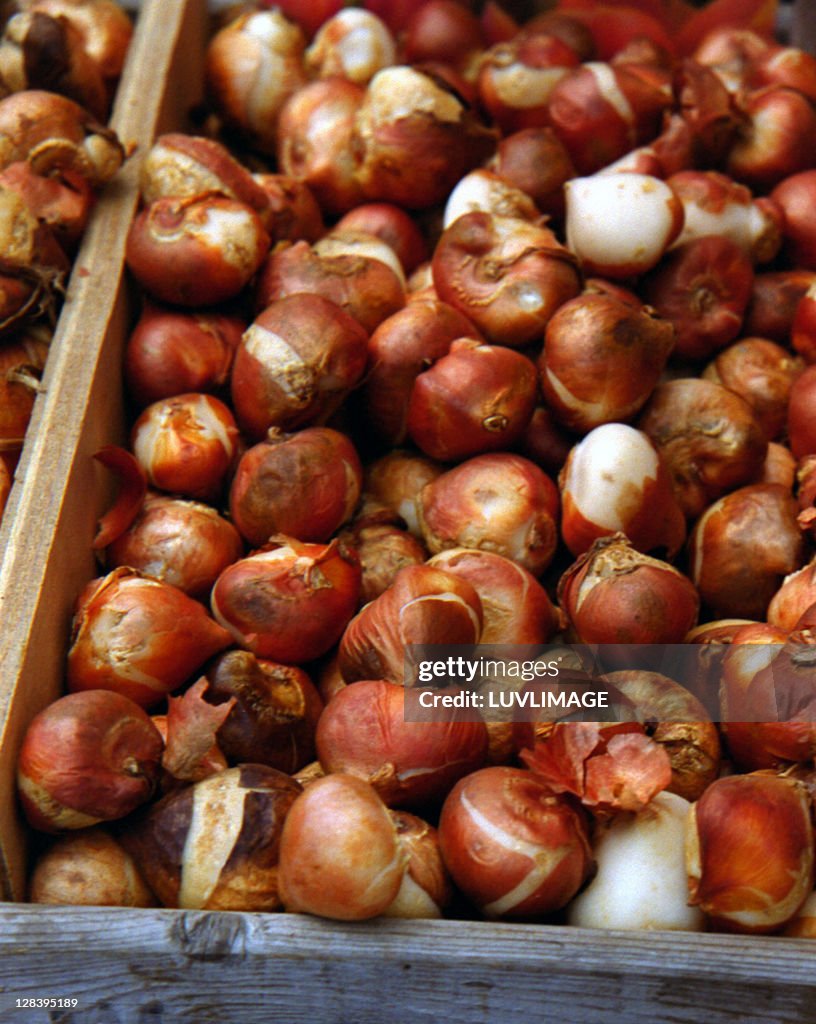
(50, 521)
(166, 966)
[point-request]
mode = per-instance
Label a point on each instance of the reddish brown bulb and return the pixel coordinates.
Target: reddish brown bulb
(197, 251)
(601, 360)
(187, 444)
(475, 399)
(172, 353)
(290, 601)
(86, 758)
(295, 364)
(498, 502)
(184, 543)
(516, 849)
(424, 605)
(139, 637)
(366, 731)
(721, 446)
(616, 595)
(305, 485)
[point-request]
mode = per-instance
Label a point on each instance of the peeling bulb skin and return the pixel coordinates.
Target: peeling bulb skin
(752, 879)
(416, 139)
(514, 848)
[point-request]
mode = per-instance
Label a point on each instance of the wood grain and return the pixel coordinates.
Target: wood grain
(53, 509)
(166, 966)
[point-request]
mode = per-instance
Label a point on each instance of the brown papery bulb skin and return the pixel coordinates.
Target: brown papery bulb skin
(535, 161)
(795, 595)
(795, 195)
(801, 422)
(749, 852)
(507, 275)
(57, 135)
(442, 30)
(515, 79)
(392, 225)
(616, 595)
(600, 112)
(19, 360)
(214, 845)
(774, 299)
(516, 608)
(189, 165)
(368, 289)
(105, 27)
(195, 252)
(139, 637)
(295, 364)
(545, 441)
(364, 731)
(292, 210)
(353, 44)
(340, 856)
(187, 444)
(426, 888)
(773, 139)
(779, 466)
(63, 205)
(702, 288)
(475, 399)
(383, 549)
(415, 138)
(86, 758)
(252, 66)
(404, 345)
(679, 722)
(396, 480)
(517, 850)
(275, 715)
(710, 438)
(305, 485)
(496, 502)
(171, 352)
(290, 601)
(601, 360)
(803, 329)
(184, 543)
(424, 605)
(761, 372)
(741, 549)
(89, 868)
(315, 142)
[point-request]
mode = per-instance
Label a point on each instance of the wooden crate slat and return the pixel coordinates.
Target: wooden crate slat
(246, 968)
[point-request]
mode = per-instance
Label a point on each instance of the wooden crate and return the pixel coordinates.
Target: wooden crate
(125, 966)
